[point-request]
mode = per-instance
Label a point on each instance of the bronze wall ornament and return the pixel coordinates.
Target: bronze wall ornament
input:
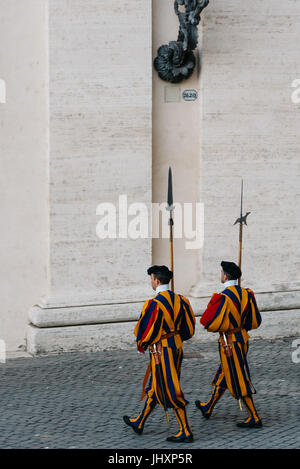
(176, 62)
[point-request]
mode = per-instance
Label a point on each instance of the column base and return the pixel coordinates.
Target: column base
(266, 301)
(110, 327)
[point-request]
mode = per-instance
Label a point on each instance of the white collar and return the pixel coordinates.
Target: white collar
(161, 288)
(230, 283)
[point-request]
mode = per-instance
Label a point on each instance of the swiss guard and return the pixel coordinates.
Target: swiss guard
(165, 323)
(232, 313)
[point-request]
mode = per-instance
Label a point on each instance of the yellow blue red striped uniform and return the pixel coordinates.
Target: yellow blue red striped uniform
(166, 313)
(234, 308)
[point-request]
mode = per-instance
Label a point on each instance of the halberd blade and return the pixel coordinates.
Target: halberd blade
(170, 188)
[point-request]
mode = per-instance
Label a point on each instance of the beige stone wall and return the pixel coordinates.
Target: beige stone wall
(23, 164)
(100, 145)
(250, 129)
(244, 125)
(78, 129)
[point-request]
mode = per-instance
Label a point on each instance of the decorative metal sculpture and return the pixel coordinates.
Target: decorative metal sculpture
(176, 62)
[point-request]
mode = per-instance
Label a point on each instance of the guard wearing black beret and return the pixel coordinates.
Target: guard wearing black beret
(233, 312)
(232, 270)
(166, 321)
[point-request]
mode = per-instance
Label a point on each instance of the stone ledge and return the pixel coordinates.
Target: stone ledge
(115, 336)
(84, 315)
(127, 312)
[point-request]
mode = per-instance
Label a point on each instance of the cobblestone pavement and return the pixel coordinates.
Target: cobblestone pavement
(77, 400)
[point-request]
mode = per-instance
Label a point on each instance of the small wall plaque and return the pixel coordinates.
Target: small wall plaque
(189, 95)
(172, 94)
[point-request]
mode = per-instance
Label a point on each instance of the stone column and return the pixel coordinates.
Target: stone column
(100, 101)
(23, 165)
(176, 143)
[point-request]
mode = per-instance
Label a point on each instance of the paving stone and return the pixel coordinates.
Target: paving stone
(77, 400)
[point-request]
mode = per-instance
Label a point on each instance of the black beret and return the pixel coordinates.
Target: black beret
(160, 269)
(232, 269)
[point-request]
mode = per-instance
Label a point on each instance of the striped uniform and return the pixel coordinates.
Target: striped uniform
(234, 308)
(166, 313)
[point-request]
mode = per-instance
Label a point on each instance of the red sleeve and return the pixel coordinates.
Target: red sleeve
(140, 349)
(211, 310)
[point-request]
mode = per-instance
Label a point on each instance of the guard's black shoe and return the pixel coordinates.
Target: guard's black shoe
(199, 406)
(126, 419)
(181, 439)
(250, 424)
